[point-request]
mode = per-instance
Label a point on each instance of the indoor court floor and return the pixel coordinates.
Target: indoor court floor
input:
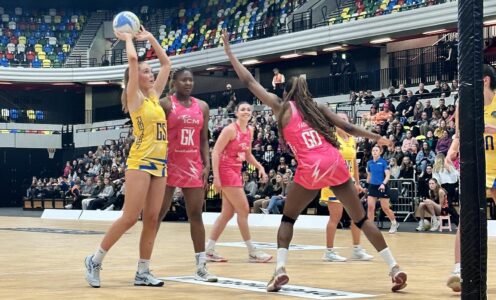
(43, 259)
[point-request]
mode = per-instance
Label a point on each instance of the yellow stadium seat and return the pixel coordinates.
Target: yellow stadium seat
(47, 63)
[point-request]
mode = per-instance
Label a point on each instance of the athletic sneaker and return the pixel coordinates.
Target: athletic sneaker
(360, 254)
(265, 210)
(147, 279)
(420, 227)
(215, 257)
(394, 227)
(398, 278)
(259, 257)
(435, 225)
(332, 256)
(279, 279)
(92, 271)
(454, 282)
(202, 274)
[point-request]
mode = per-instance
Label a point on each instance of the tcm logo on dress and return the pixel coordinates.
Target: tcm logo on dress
(188, 120)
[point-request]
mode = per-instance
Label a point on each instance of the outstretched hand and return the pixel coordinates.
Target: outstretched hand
(384, 142)
(123, 36)
(225, 39)
(143, 34)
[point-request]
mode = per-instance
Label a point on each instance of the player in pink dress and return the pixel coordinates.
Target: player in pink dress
(188, 159)
(232, 148)
(308, 129)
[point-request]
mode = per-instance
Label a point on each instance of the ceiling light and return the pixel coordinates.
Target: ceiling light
(437, 31)
(251, 62)
(291, 55)
(97, 83)
(5, 82)
(310, 53)
(490, 22)
(63, 83)
(381, 40)
(334, 48)
(213, 68)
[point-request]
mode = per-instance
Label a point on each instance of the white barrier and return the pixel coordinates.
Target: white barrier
(263, 220)
(61, 214)
(491, 228)
(100, 215)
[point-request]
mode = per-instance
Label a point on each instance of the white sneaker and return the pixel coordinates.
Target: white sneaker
(147, 279)
(202, 274)
(215, 257)
(68, 206)
(265, 210)
(361, 254)
(394, 227)
(279, 279)
(259, 257)
(332, 256)
(454, 282)
(398, 278)
(92, 271)
(420, 227)
(435, 225)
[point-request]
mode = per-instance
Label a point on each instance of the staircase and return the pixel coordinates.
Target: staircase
(79, 56)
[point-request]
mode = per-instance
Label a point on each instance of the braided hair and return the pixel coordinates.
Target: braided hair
(296, 89)
(174, 75)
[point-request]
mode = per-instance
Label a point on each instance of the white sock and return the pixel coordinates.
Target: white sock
(388, 257)
(393, 222)
(250, 246)
(143, 265)
(282, 257)
(210, 246)
(357, 247)
(99, 255)
(201, 259)
(457, 268)
(330, 249)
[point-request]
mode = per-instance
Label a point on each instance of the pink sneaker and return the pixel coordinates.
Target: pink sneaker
(398, 278)
(259, 257)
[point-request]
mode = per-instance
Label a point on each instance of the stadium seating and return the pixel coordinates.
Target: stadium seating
(36, 38)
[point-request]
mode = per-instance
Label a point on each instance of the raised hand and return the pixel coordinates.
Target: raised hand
(123, 36)
(225, 39)
(143, 34)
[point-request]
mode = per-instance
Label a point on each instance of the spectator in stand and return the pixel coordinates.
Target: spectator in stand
(422, 92)
(276, 202)
(423, 182)
(336, 65)
(399, 133)
(436, 204)
(454, 85)
(411, 98)
(424, 157)
(293, 165)
(445, 89)
(398, 154)
(389, 102)
(278, 82)
(403, 107)
(407, 171)
(447, 177)
(431, 139)
(250, 187)
(423, 124)
(369, 118)
(443, 143)
(229, 97)
(117, 201)
(67, 169)
(282, 167)
(402, 90)
(392, 93)
(99, 187)
(382, 116)
(103, 196)
(428, 109)
(361, 95)
(417, 111)
(353, 97)
(369, 98)
(445, 116)
(451, 128)
(436, 91)
(440, 130)
(436, 118)
(394, 168)
(262, 197)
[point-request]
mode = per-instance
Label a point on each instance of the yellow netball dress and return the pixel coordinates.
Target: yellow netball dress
(489, 140)
(348, 150)
(149, 150)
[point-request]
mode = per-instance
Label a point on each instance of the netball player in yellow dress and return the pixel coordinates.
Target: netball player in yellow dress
(348, 150)
(146, 165)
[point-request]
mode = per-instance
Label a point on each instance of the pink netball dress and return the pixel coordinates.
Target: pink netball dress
(319, 163)
(231, 159)
(185, 164)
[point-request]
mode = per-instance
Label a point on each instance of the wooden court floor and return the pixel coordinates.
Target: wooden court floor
(49, 265)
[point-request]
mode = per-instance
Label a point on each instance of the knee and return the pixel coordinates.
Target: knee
(129, 220)
(195, 216)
